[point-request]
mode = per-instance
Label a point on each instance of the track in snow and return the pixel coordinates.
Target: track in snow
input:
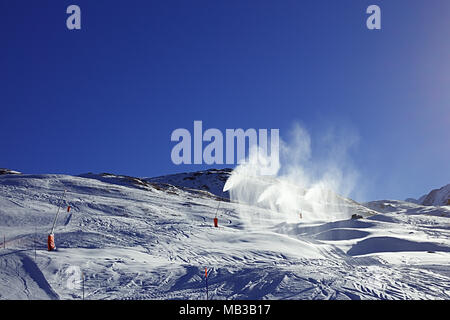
(144, 242)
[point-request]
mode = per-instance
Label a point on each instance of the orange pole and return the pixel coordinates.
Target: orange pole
(51, 242)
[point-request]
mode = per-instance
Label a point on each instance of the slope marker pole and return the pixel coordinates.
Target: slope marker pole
(51, 236)
(57, 213)
(83, 284)
(216, 220)
(35, 234)
(206, 278)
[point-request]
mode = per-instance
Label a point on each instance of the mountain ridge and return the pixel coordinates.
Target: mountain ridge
(436, 197)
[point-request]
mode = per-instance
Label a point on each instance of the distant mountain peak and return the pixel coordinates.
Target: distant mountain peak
(8, 171)
(436, 197)
(211, 180)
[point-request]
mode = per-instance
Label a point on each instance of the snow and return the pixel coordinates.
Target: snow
(209, 181)
(436, 197)
(152, 238)
(8, 171)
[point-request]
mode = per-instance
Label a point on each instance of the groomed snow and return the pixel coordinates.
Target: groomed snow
(145, 239)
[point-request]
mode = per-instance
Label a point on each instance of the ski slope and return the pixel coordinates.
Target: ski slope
(147, 238)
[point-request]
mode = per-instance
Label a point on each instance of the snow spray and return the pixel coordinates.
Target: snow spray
(304, 187)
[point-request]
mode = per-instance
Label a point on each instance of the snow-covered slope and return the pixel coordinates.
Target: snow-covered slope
(213, 181)
(137, 239)
(416, 201)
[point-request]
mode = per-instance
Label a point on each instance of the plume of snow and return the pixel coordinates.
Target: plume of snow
(306, 186)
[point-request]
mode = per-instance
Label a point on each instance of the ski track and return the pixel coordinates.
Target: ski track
(23, 278)
(134, 243)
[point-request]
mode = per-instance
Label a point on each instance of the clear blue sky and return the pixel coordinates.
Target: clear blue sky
(106, 98)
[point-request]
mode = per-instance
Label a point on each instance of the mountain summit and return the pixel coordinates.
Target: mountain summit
(436, 197)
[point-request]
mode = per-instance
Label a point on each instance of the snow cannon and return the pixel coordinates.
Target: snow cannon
(51, 242)
(51, 235)
(216, 222)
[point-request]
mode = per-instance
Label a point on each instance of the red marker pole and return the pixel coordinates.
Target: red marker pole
(216, 221)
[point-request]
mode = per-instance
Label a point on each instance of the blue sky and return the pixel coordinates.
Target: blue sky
(106, 98)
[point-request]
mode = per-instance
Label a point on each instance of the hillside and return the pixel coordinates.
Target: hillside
(211, 181)
(145, 239)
